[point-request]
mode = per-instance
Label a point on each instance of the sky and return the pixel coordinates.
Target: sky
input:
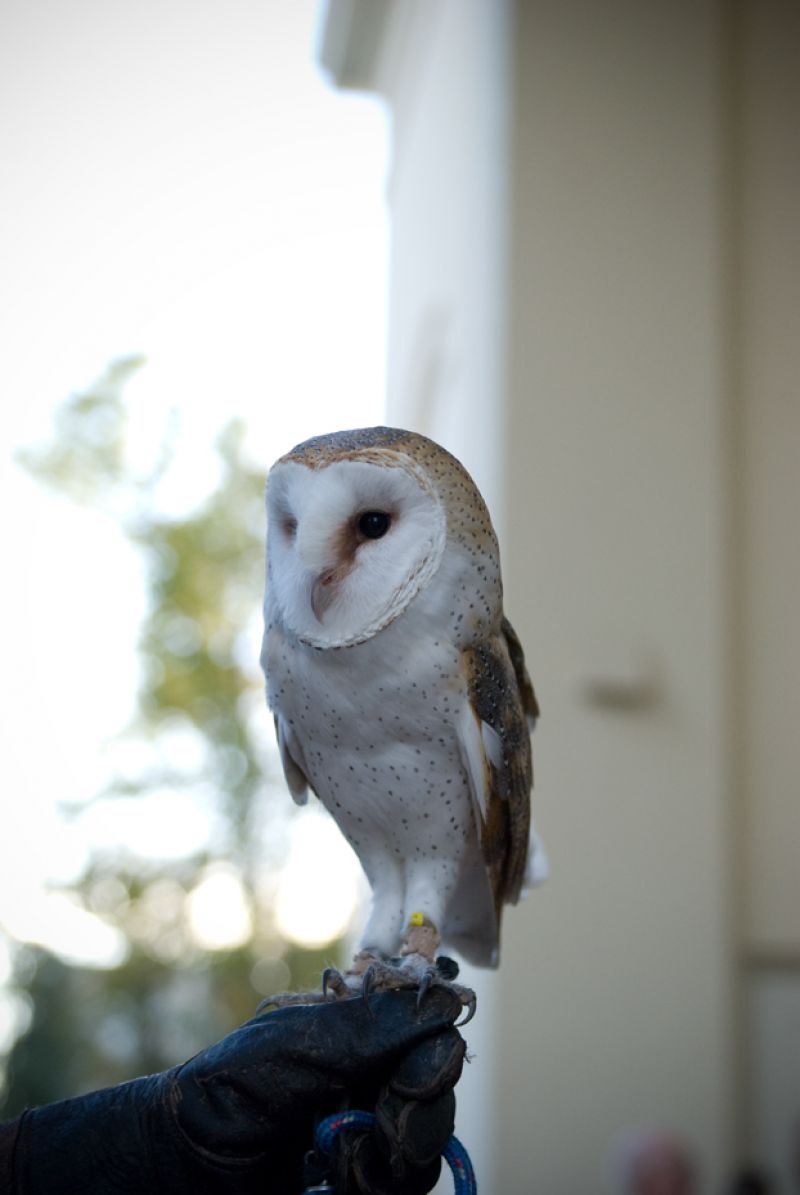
(179, 181)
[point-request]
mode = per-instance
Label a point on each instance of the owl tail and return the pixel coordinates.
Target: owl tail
(538, 868)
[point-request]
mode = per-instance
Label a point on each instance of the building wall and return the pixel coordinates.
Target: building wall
(448, 193)
(593, 304)
(616, 573)
(766, 501)
(445, 73)
(768, 365)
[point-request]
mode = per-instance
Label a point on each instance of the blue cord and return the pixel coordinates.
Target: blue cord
(457, 1158)
(453, 1153)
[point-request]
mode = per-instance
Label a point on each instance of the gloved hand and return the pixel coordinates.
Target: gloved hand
(414, 1118)
(239, 1117)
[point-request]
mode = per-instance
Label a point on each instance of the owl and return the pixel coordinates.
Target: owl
(399, 689)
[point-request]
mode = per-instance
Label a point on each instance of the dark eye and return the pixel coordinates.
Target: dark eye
(374, 523)
(289, 526)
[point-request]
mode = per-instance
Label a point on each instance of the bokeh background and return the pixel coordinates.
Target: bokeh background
(194, 246)
(562, 239)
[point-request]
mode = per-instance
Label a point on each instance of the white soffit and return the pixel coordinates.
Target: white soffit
(351, 33)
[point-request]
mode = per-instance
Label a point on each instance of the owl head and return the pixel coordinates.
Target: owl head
(358, 526)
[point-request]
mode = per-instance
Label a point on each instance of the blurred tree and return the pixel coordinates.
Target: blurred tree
(169, 997)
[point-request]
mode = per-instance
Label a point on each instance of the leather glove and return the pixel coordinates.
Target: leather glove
(414, 1118)
(239, 1117)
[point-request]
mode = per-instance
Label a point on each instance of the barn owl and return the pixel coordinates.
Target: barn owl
(398, 687)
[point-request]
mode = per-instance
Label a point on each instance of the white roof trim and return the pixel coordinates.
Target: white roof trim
(351, 33)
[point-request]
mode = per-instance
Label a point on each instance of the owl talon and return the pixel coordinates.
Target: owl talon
(333, 979)
(289, 999)
(369, 981)
(433, 977)
(469, 1001)
(409, 972)
(425, 985)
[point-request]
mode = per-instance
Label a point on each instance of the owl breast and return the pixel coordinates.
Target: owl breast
(377, 727)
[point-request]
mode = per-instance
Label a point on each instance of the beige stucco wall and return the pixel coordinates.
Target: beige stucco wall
(616, 572)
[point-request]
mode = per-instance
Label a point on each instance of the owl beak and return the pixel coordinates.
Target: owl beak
(323, 591)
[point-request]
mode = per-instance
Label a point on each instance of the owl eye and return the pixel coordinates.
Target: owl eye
(374, 523)
(289, 526)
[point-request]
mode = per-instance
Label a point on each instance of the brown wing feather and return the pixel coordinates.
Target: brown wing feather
(498, 698)
(529, 702)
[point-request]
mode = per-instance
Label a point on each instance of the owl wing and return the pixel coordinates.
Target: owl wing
(291, 752)
(529, 702)
(495, 745)
(294, 767)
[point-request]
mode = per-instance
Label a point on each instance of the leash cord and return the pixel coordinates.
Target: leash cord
(453, 1153)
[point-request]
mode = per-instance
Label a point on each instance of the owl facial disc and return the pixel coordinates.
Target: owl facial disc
(350, 545)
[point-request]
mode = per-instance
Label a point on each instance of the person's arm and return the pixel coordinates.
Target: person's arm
(239, 1117)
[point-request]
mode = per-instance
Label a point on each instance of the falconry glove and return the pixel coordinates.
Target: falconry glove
(239, 1116)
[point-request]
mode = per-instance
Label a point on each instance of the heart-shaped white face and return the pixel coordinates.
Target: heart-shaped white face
(349, 546)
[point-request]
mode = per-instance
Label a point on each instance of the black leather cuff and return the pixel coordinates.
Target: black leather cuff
(126, 1140)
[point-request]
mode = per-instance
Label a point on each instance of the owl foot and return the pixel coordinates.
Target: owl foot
(350, 982)
(381, 975)
(336, 985)
(421, 938)
(416, 971)
(418, 959)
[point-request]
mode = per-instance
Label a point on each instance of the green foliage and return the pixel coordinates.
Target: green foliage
(86, 457)
(91, 1028)
(204, 571)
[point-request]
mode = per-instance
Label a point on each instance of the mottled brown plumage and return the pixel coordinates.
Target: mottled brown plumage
(492, 687)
